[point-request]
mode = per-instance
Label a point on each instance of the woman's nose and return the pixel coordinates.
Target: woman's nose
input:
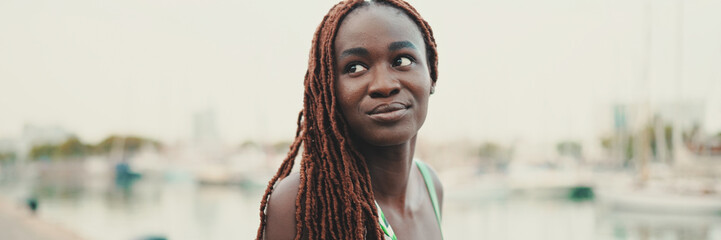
(384, 84)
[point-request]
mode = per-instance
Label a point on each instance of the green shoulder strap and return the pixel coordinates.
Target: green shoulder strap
(431, 189)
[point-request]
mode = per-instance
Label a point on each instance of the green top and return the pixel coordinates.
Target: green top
(425, 172)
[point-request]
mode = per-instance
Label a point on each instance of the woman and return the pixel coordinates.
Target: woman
(372, 69)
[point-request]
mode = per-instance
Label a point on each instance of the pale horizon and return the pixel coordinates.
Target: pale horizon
(540, 71)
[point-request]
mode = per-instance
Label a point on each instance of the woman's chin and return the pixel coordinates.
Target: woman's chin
(389, 140)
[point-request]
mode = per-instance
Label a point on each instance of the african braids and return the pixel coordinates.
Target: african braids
(335, 197)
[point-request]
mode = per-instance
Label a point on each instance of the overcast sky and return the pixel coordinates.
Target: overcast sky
(519, 69)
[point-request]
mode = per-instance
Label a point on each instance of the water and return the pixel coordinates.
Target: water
(184, 210)
(528, 218)
(180, 210)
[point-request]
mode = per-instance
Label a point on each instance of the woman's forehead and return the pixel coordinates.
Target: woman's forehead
(377, 22)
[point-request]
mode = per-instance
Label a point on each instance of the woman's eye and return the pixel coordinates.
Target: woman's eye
(355, 68)
(402, 61)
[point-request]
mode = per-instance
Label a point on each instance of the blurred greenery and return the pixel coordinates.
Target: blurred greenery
(131, 144)
(667, 135)
(73, 148)
(490, 150)
(281, 146)
(570, 149)
(249, 144)
(43, 152)
(7, 157)
(494, 155)
(629, 140)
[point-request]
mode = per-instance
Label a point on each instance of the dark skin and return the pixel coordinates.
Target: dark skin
(383, 86)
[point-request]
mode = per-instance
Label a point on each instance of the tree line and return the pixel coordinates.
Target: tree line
(73, 148)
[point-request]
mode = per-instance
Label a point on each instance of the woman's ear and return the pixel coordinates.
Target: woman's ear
(433, 87)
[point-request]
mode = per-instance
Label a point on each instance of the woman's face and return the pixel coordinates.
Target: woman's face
(382, 76)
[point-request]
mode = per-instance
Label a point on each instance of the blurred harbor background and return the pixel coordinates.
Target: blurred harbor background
(557, 119)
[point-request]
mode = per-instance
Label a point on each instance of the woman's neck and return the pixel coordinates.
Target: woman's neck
(390, 169)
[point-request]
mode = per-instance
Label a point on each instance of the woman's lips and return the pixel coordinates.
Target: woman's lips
(388, 112)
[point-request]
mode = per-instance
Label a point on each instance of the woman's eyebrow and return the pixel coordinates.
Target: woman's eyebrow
(359, 51)
(399, 45)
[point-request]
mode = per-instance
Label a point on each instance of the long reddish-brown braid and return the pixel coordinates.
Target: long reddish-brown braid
(335, 197)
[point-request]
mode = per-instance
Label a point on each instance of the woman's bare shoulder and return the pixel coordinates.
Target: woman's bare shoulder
(281, 209)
